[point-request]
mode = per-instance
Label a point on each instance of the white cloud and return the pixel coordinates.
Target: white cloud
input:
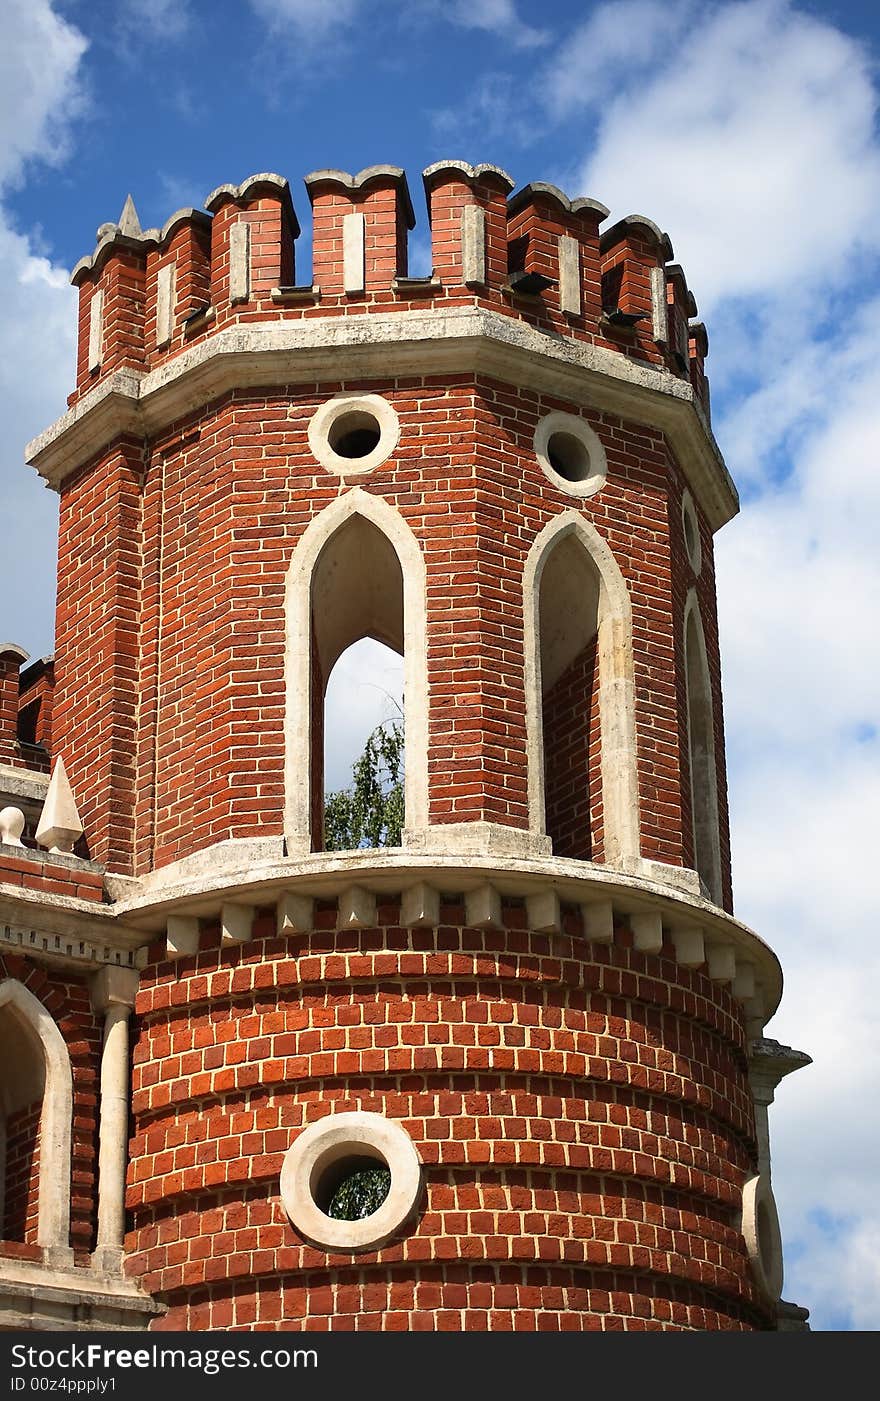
(39, 96)
(163, 21)
(39, 92)
(310, 20)
(751, 138)
(314, 20)
(498, 17)
(747, 130)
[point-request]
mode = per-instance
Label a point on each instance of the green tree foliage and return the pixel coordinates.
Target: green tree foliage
(361, 1192)
(369, 813)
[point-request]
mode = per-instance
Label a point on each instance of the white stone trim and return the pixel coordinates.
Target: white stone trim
(569, 275)
(763, 1238)
(647, 931)
(701, 749)
(659, 305)
(96, 329)
(339, 1136)
(298, 661)
(578, 428)
(598, 921)
(354, 253)
(617, 716)
(240, 261)
(465, 340)
(53, 1228)
(473, 245)
(690, 530)
(324, 418)
(166, 303)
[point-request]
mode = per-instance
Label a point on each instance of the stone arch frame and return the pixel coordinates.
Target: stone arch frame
(702, 763)
(298, 661)
(53, 1228)
(617, 711)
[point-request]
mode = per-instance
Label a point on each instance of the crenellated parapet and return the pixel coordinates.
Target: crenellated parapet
(535, 256)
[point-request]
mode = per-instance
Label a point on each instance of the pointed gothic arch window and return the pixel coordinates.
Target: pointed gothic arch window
(36, 1097)
(701, 753)
(357, 572)
(580, 699)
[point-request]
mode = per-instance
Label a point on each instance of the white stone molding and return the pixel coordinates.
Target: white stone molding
(647, 931)
(763, 1238)
(166, 303)
(240, 261)
(420, 907)
(620, 794)
(690, 529)
(236, 922)
(473, 245)
(113, 992)
(569, 275)
(360, 410)
(689, 945)
(659, 305)
(701, 746)
(744, 980)
(182, 936)
(543, 912)
(357, 909)
(482, 908)
(598, 921)
(11, 827)
(769, 1062)
(294, 914)
(418, 342)
(96, 329)
(59, 826)
(328, 1143)
(354, 253)
(720, 962)
(53, 1228)
(298, 661)
(589, 464)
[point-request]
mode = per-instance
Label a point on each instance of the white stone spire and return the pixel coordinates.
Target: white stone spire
(59, 826)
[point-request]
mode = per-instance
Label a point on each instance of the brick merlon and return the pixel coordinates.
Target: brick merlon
(365, 177)
(535, 188)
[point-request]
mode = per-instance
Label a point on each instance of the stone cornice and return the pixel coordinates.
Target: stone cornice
(260, 881)
(403, 343)
(64, 931)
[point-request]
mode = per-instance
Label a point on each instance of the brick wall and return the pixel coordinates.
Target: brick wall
(171, 641)
(66, 999)
(22, 1196)
(582, 1113)
(572, 761)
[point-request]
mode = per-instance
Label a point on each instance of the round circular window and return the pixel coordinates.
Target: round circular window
(351, 1181)
(354, 433)
(763, 1238)
(571, 454)
(691, 529)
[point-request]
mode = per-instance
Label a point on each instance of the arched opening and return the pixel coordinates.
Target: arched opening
(22, 1086)
(701, 754)
(357, 572)
(569, 627)
(363, 762)
(357, 594)
(36, 1097)
(580, 696)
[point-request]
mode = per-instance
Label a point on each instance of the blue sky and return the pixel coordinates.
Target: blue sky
(748, 129)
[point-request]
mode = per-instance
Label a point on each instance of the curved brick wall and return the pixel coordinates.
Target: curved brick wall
(582, 1113)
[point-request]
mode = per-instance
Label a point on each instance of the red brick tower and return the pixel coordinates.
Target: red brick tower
(537, 1017)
